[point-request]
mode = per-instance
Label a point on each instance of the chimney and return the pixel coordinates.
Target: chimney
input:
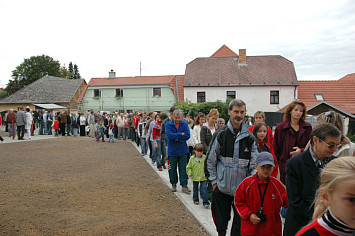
(242, 56)
(111, 74)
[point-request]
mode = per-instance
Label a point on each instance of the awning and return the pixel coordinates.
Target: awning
(49, 106)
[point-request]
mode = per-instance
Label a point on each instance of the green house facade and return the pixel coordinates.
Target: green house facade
(143, 93)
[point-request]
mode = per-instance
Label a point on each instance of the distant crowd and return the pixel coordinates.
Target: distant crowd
(302, 174)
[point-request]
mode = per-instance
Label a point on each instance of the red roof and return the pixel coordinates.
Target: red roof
(224, 51)
(339, 93)
(143, 81)
(348, 77)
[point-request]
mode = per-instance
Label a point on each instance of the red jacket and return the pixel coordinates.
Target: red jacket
(315, 226)
(56, 124)
(247, 201)
(285, 140)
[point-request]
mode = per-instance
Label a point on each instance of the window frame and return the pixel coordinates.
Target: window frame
(229, 96)
(319, 94)
(120, 93)
(99, 95)
(199, 100)
(273, 97)
(155, 94)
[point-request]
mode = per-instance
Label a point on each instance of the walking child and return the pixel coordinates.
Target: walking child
(260, 131)
(110, 133)
(259, 198)
(195, 171)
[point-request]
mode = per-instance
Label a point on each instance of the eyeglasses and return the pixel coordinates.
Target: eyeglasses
(331, 146)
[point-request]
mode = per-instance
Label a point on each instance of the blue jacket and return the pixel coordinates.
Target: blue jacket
(177, 145)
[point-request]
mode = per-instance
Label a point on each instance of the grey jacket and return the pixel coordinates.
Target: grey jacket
(20, 118)
(229, 171)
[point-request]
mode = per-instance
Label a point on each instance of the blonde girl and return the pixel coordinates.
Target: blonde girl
(334, 208)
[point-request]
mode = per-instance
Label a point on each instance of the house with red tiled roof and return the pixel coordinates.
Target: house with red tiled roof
(265, 83)
(330, 95)
(138, 93)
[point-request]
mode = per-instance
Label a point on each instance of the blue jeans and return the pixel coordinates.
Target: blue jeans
(49, 128)
(75, 131)
(110, 138)
(156, 156)
(44, 127)
(203, 192)
(56, 132)
(163, 152)
(40, 132)
(68, 129)
(102, 134)
(9, 127)
(143, 146)
(176, 162)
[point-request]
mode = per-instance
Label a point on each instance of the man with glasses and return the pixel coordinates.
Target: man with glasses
(302, 176)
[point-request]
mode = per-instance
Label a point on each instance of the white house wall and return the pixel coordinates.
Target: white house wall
(256, 98)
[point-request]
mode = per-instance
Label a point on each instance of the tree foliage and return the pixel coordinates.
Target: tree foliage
(33, 68)
(204, 107)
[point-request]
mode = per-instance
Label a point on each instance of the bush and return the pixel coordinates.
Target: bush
(205, 107)
(352, 138)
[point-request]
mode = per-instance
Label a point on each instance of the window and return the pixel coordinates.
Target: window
(274, 97)
(319, 97)
(201, 96)
(119, 92)
(156, 92)
(231, 94)
(97, 93)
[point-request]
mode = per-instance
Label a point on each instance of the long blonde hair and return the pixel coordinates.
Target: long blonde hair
(334, 173)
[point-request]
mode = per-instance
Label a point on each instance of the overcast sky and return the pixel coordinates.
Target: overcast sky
(318, 36)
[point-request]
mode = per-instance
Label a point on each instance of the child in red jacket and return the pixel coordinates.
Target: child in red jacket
(259, 198)
(56, 127)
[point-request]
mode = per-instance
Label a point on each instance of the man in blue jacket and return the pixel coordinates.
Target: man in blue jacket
(177, 133)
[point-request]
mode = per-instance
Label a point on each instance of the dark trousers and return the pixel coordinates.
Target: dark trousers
(62, 128)
(82, 130)
(150, 150)
(221, 213)
(20, 131)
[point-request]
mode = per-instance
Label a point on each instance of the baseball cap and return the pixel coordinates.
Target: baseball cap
(265, 158)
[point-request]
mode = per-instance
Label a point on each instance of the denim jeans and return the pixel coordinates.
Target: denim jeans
(143, 146)
(44, 127)
(102, 134)
(49, 128)
(56, 132)
(40, 132)
(163, 152)
(203, 192)
(178, 162)
(110, 138)
(75, 131)
(156, 156)
(68, 129)
(9, 127)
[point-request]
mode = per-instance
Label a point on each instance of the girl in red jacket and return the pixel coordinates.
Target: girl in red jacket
(261, 133)
(259, 198)
(56, 126)
(334, 208)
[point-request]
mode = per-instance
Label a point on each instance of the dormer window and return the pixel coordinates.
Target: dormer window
(319, 97)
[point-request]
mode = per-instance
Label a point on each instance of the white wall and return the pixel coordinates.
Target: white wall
(256, 98)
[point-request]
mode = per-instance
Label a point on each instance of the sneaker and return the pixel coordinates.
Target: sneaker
(164, 166)
(153, 162)
(196, 203)
(97, 140)
(186, 190)
(206, 206)
(103, 141)
(173, 188)
(160, 169)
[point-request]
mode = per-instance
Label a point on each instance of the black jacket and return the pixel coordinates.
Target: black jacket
(302, 182)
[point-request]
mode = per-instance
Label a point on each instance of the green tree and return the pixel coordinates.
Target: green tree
(76, 72)
(33, 68)
(3, 94)
(71, 70)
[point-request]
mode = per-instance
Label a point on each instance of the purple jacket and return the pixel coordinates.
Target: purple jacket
(285, 140)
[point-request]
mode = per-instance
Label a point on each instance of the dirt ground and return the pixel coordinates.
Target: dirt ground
(75, 186)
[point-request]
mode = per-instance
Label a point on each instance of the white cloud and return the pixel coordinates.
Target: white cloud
(318, 36)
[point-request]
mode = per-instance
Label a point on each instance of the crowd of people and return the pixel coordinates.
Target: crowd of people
(294, 172)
